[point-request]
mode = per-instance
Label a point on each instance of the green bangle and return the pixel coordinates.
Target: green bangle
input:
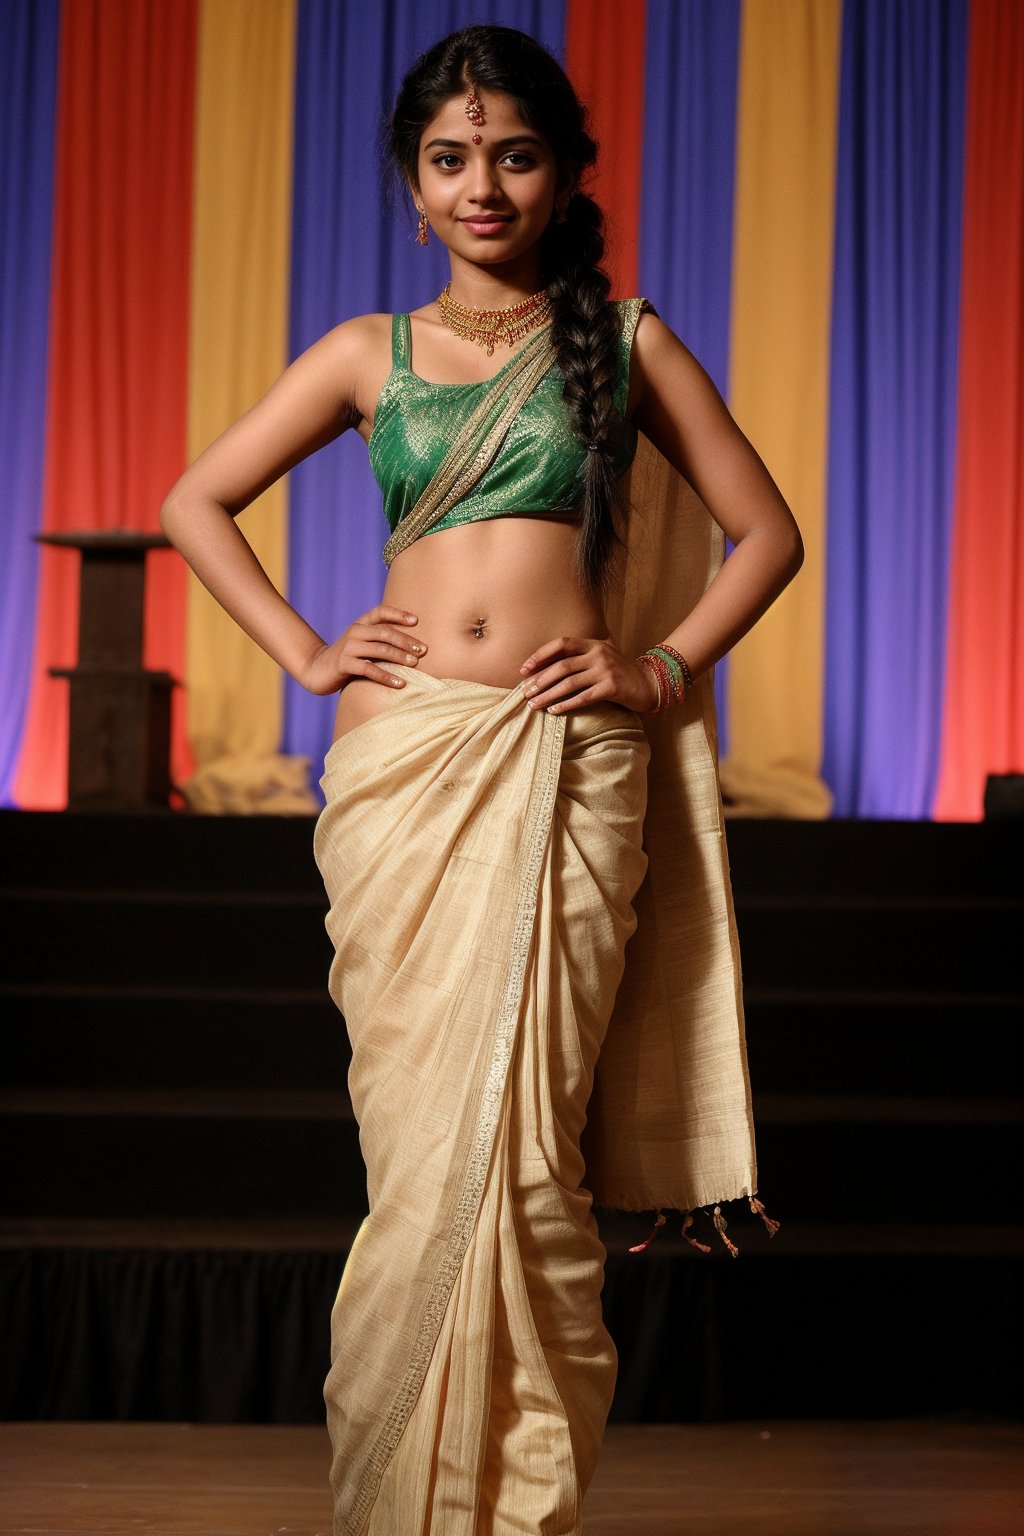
(672, 656)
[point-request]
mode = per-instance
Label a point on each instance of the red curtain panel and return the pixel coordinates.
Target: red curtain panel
(983, 721)
(604, 56)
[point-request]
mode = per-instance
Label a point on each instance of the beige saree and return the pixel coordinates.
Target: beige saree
(536, 960)
(481, 861)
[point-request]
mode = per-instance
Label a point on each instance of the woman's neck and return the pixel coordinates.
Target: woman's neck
(494, 287)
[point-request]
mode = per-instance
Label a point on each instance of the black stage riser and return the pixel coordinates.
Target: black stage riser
(182, 1165)
(243, 940)
(275, 854)
(101, 1336)
(195, 1038)
(171, 1056)
(195, 939)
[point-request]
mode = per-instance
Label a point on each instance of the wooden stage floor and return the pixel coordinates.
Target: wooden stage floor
(907, 1477)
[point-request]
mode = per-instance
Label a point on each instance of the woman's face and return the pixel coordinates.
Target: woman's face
(489, 202)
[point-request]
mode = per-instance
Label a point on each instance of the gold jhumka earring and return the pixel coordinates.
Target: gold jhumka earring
(421, 231)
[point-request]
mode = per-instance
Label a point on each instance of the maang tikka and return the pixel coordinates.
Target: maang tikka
(475, 111)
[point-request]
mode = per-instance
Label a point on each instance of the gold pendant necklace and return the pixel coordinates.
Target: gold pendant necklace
(488, 326)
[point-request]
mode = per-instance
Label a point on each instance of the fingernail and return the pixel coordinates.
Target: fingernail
(527, 666)
(531, 690)
(411, 658)
(396, 682)
(418, 649)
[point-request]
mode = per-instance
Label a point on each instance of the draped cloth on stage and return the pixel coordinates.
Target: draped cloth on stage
(486, 865)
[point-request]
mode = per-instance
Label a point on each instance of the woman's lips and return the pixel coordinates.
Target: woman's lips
(487, 225)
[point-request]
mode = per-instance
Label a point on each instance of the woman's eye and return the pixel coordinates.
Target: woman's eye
(516, 160)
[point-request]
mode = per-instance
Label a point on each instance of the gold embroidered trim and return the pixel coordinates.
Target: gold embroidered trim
(632, 309)
(477, 444)
(534, 842)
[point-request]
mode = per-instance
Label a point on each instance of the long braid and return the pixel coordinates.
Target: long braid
(585, 332)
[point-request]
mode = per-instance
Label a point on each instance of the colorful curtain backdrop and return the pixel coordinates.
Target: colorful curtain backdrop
(824, 199)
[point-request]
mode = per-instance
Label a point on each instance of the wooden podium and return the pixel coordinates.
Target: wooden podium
(120, 738)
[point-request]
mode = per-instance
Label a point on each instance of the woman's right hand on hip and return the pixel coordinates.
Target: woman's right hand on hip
(375, 637)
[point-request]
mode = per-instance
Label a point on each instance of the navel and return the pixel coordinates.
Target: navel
(479, 628)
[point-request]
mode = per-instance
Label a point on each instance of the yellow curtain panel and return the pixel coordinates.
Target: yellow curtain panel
(239, 335)
(779, 372)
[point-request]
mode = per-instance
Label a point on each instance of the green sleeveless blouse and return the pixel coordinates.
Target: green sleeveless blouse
(540, 464)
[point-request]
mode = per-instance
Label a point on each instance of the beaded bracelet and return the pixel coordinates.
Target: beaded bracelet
(672, 672)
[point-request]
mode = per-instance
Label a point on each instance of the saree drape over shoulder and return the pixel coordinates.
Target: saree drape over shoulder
(536, 960)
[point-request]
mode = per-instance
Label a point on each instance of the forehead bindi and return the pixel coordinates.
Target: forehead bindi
(501, 121)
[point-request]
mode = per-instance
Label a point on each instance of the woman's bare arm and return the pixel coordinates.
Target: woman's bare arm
(681, 411)
(326, 390)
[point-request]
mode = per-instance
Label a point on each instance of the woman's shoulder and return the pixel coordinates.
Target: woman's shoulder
(353, 358)
(346, 349)
(358, 332)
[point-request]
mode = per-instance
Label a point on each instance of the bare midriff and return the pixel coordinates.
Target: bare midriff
(486, 596)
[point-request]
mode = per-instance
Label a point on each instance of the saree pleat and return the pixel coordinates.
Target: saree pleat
(481, 861)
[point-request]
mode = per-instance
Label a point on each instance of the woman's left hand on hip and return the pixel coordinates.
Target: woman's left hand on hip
(569, 673)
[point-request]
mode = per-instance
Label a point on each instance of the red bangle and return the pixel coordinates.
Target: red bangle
(656, 665)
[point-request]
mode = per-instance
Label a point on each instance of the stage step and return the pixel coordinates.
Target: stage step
(96, 1035)
(140, 938)
(620, 1231)
(93, 1036)
(268, 853)
(890, 859)
(274, 1152)
(158, 852)
(905, 1041)
(259, 938)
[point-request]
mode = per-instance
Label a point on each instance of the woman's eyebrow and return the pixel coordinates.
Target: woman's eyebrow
(516, 138)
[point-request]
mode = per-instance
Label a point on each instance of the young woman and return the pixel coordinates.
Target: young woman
(522, 779)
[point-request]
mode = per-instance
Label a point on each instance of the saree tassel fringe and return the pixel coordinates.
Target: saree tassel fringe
(759, 1210)
(719, 1221)
(639, 1247)
(694, 1242)
(720, 1227)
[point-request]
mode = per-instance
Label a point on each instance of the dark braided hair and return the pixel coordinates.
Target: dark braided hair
(585, 327)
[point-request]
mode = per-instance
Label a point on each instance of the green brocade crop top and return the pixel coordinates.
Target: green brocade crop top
(539, 465)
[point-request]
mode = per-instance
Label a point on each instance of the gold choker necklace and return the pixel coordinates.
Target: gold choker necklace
(488, 326)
